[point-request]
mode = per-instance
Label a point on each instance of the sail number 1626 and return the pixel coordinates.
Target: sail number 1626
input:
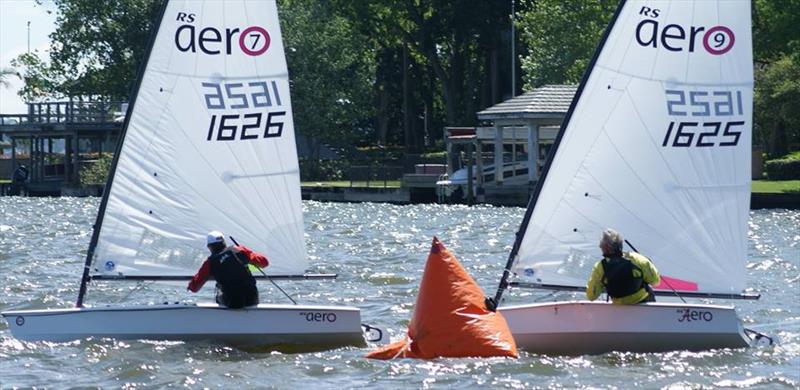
(245, 110)
(701, 107)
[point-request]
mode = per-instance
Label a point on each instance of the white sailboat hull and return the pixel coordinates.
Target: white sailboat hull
(583, 327)
(262, 325)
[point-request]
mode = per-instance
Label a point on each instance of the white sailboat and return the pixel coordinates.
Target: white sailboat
(208, 144)
(656, 145)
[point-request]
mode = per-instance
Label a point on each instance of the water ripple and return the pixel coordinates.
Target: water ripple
(379, 252)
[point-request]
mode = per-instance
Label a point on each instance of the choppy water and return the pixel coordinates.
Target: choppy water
(379, 252)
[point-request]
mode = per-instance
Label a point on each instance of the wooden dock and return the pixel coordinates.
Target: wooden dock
(55, 140)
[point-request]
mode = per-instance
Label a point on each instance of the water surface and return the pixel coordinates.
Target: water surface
(379, 251)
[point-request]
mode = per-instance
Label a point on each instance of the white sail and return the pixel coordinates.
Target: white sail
(210, 145)
(657, 147)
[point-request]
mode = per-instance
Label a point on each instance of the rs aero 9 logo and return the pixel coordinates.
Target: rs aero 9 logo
(715, 40)
(253, 40)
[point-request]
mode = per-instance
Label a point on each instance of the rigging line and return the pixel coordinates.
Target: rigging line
(791, 321)
(139, 285)
(546, 296)
(664, 280)
(265, 274)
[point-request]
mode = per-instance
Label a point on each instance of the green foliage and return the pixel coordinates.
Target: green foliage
(313, 170)
(39, 80)
(97, 173)
(396, 71)
(776, 103)
(776, 187)
(561, 37)
(782, 169)
(442, 155)
(95, 49)
(792, 156)
(775, 29)
(438, 62)
(330, 71)
(777, 87)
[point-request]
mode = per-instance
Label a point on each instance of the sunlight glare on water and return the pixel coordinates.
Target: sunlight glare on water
(379, 252)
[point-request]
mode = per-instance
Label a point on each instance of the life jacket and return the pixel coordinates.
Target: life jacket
(229, 269)
(618, 276)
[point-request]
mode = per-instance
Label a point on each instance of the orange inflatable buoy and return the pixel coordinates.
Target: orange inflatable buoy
(450, 318)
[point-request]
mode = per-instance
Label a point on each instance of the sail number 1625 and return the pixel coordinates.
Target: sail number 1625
(699, 107)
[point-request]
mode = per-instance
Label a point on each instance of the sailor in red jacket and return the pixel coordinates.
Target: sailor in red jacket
(236, 287)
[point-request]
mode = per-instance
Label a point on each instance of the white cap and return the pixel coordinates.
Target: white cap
(214, 237)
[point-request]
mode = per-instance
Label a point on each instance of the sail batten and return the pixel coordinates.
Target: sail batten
(208, 145)
(656, 146)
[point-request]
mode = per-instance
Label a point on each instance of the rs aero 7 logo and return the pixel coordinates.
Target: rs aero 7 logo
(716, 40)
(252, 40)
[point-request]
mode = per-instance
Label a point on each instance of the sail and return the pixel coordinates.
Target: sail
(657, 145)
(209, 145)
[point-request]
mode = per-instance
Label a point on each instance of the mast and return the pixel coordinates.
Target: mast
(492, 303)
(104, 201)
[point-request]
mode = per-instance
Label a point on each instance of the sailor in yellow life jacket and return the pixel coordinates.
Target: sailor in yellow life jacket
(625, 276)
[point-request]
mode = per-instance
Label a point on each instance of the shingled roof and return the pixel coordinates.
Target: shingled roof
(545, 101)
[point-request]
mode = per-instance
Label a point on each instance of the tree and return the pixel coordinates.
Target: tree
(775, 29)
(450, 55)
(777, 89)
(561, 37)
(331, 74)
(776, 101)
(96, 49)
(39, 80)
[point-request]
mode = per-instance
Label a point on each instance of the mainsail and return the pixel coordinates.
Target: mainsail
(208, 144)
(656, 145)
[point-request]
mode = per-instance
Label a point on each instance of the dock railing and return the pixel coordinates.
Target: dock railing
(74, 110)
(375, 176)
